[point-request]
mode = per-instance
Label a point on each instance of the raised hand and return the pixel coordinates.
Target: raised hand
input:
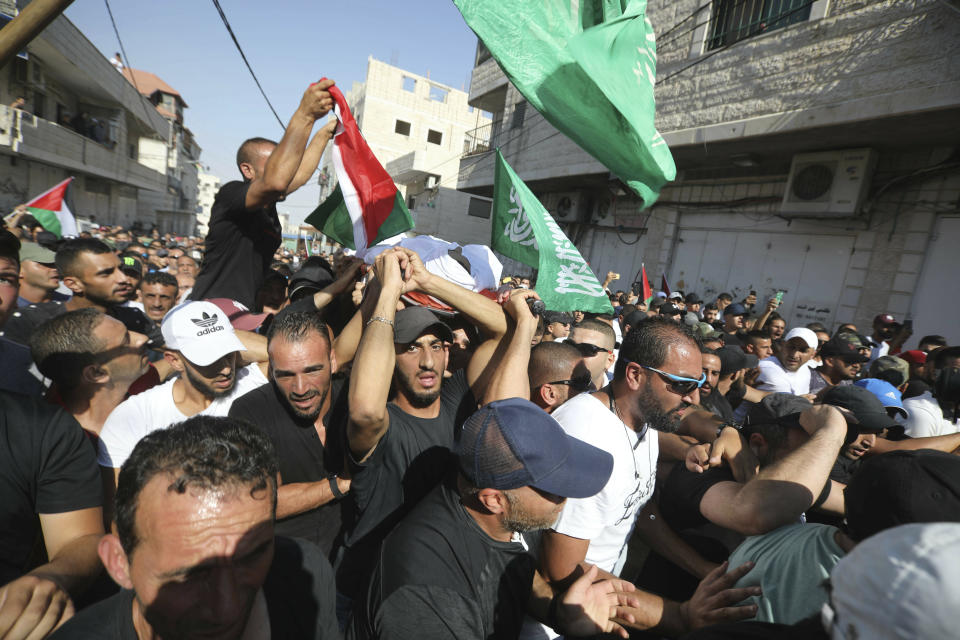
(317, 101)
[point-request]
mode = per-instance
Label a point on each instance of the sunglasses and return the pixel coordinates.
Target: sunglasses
(678, 384)
(580, 383)
(586, 349)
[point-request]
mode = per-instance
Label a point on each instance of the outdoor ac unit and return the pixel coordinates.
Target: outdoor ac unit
(828, 184)
(562, 205)
(432, 182)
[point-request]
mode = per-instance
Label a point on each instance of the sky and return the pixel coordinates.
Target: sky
(289, 43)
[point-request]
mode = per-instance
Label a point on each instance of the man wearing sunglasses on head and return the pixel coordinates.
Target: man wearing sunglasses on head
(595, 341)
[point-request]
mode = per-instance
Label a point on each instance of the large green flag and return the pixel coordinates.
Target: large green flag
(524, 231)
(589, 67)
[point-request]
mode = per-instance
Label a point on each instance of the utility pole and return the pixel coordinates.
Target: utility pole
(28, 25)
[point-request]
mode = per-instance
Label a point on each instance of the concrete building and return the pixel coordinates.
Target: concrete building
(207, 187)
(79, 118)
(817, 150)
(177, 156)
(418, 128)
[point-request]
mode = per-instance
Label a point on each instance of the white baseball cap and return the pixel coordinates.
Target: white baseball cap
(804, 334)
(900, 583)
(201, 331)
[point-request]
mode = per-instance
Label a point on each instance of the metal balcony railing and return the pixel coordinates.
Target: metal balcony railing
(735, 20)
(483, 139)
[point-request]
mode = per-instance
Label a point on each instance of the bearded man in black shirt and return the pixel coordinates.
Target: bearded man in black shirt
(456, 567)
(403, 413)
(244, 227)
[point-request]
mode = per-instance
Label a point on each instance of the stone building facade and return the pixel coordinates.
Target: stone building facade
(742, 98)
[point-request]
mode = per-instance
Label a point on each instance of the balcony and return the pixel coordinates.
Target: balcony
(488, 87)
(49, 143)
(485, 138)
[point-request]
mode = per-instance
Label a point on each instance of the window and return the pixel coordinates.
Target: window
(411, 202)
(434, 137)
(519, 111)
(735, 20)
(409, 84)
(479, 208)
(403, 128)
(438, 94)
(132, 151)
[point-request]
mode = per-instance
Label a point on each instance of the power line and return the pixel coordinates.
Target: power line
(226, 23)
(126, 61)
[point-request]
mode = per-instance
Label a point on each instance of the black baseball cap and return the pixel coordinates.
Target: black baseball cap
(129, 264)
(412, 322)
(735, 309)
(778, 408)
(634, 318)
(310, 277)
(870, 413)
(557, 316)
(513, 443)
(692, 298)
(670, 309)
(838, 346)
(733, 358)
(902, 487)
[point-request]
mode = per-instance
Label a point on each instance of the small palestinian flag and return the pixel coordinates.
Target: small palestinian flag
(51, 211)
(647, 292)
(366, 206)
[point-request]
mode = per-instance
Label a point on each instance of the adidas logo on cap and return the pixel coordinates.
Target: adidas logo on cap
(205, 320)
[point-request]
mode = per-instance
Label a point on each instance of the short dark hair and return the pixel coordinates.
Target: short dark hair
(725, 296)
(774, 316)
(297, 326)
(940, 341)
(205, 452)
(707, 351)
(649, 342)
(756, 335)
(549, 360)
(817, 326)
(9, 246)
(245, 152)
(711, 306)
(64, 345)
(592, 324)
(160, 277)
(941, 355)
(71, 250)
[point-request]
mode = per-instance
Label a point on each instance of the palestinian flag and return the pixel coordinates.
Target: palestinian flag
(51, 211)
(664, 286)
(366, 206)
(647, 291)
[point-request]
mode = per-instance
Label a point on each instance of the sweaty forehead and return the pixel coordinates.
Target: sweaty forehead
(683, 358)
(709, 361)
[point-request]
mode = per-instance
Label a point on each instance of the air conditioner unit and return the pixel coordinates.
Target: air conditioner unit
(432, 182)
(562, 205)
(830, 184)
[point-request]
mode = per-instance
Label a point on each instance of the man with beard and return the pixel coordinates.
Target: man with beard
(298, 412)
(711, 399)
(841, 365)
(200, 345)
(91, 270)
(595, 340)
(655, 381)
(403, 413)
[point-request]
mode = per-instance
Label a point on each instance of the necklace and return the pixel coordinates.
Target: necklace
(633, 446)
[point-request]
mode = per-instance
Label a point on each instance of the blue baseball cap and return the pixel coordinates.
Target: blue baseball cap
(735, 309)
(513, 443)
(888, 394)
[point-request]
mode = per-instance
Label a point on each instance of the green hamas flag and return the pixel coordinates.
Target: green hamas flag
(524, 231)
(589, 67)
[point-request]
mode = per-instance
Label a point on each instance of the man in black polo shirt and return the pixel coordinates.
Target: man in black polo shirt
(302, 411)
(403, 412)
(91, 270)
(456, 567)
(49, 492)
(244, 227)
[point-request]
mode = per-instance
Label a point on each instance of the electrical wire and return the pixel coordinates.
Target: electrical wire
(226, 23)
(126, 61)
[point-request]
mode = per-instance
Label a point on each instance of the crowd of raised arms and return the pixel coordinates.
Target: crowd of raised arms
(220, 438)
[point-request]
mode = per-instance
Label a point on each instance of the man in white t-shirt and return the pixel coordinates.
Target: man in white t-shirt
(201, 345)
(786, 371)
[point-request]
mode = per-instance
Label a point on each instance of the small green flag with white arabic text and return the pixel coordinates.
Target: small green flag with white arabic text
(525, 231)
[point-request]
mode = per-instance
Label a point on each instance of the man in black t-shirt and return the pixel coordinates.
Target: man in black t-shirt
(49, 485)
(403, 413)
(456, 566)
(712, 399)
(91, 270)
(244, 230)
(194, 549)
(303, 413)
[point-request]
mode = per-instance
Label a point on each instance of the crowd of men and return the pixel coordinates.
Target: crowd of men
(203, 439)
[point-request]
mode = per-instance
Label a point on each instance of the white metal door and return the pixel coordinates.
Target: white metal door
(936, 304)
